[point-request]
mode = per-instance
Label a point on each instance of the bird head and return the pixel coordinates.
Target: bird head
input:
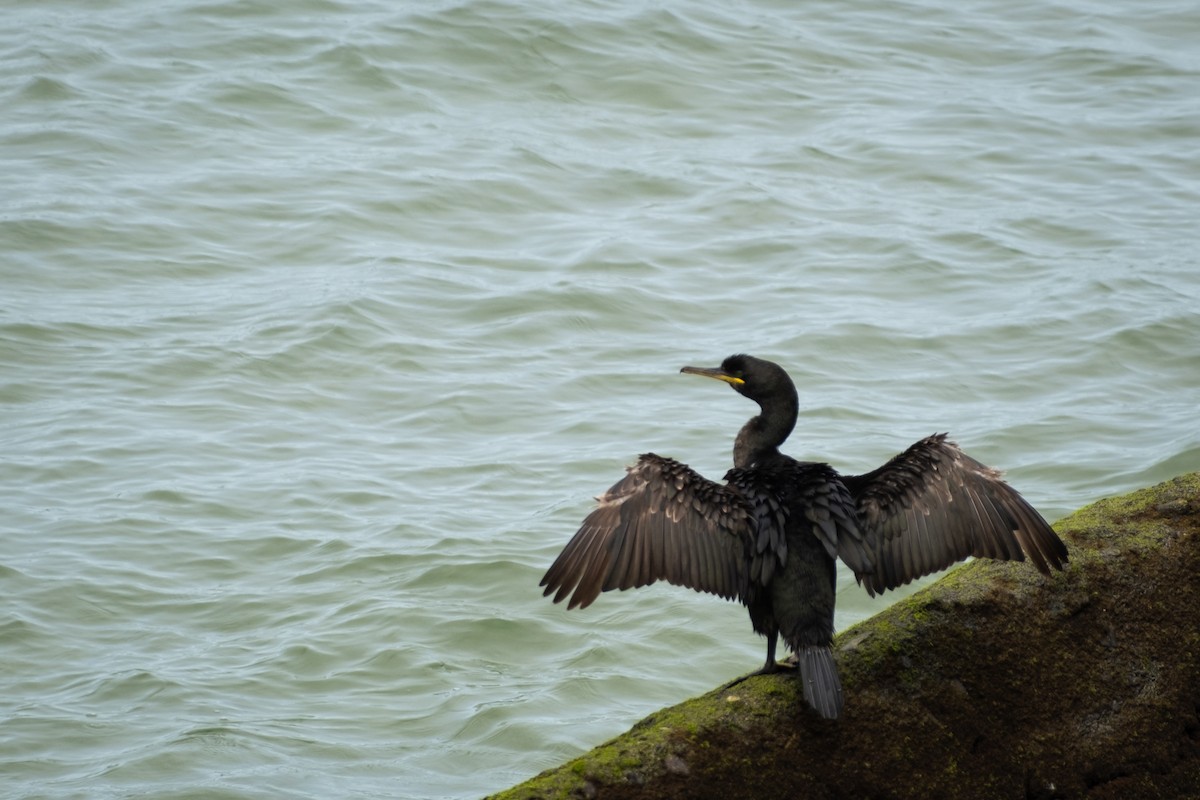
(752, 377)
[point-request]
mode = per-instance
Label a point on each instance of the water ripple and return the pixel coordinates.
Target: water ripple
(324, 322)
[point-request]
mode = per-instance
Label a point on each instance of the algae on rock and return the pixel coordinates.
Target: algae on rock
(992, 682)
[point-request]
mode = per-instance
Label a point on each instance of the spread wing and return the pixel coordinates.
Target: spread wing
(662, 521)
(933, 505)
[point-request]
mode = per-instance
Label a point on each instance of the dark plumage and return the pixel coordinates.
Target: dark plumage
(769, 535)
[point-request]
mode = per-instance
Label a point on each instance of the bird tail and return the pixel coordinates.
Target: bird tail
(822, 688)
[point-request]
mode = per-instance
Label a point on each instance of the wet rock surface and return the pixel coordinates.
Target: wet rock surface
(992, 682)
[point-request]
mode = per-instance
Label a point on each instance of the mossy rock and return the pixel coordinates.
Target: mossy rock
(993, 682)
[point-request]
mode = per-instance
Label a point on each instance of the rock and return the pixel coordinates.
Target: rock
(993, 682)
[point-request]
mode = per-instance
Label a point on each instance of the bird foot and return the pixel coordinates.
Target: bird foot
(769, 668)
(788, 663)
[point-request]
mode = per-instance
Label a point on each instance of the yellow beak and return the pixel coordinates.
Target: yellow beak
(710, 372)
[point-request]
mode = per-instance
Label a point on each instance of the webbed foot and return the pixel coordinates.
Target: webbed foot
(769, 668)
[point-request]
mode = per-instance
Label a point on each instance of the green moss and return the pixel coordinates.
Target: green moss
(1133, 521)
(949, 680)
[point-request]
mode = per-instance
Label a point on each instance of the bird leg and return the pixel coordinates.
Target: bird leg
(771, 666)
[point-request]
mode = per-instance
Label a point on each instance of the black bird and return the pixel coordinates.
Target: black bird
(769, 535)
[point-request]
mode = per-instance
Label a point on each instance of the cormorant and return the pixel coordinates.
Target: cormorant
(769, 535)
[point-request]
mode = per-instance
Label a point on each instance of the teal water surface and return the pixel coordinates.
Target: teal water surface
(322, 323)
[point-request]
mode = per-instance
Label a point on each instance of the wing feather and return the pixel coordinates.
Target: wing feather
(933, 505)
(662, 521)
(830, 508)
(801, 487)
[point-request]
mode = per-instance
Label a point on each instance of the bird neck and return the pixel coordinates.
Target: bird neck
(760, 438)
